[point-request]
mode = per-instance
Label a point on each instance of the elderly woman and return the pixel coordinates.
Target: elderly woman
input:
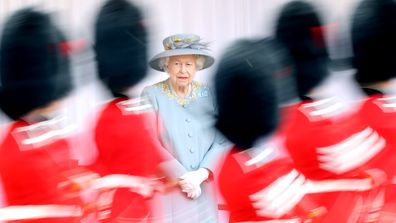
(185, 118)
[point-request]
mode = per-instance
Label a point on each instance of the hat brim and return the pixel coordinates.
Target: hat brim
(155, 61)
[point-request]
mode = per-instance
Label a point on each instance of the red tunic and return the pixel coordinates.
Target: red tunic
(125, 146)
(238, 181)
(379, 111)
(33, 172)
(327, 143)
(249, 176)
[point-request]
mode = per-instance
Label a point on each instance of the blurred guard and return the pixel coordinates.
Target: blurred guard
(248, 114)
(326, 140)
(259, 181)
(35, 164)
(127, 155)
(374, 47)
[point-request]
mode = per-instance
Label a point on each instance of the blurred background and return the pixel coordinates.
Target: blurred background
(216, 21)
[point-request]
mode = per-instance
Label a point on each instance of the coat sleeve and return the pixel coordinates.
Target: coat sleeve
(215, 156)
(171, 166)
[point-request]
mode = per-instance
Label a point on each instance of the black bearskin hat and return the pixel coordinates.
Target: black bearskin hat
(246, 90)
(373, 41)
(120, 45)
(34, 64)
(300, 29)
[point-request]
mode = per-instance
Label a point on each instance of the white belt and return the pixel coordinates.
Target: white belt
(141, 185)
(293, 220)
(21, 212)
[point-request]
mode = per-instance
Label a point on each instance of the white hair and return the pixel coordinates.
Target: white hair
(199, 62)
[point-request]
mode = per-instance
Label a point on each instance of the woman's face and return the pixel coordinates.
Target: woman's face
(181, 70)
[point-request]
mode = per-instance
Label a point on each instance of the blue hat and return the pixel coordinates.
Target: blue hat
(182, 44)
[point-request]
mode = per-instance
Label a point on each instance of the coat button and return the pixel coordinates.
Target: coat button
(193, 167)
(191, 150)
(189, 135)
(188, 120)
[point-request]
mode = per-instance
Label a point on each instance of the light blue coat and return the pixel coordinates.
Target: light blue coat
(187, 133)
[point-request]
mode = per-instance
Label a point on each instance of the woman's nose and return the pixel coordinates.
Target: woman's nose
(183, 68)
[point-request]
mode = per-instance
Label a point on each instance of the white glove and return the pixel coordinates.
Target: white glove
(192, 191)
(191, 181)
